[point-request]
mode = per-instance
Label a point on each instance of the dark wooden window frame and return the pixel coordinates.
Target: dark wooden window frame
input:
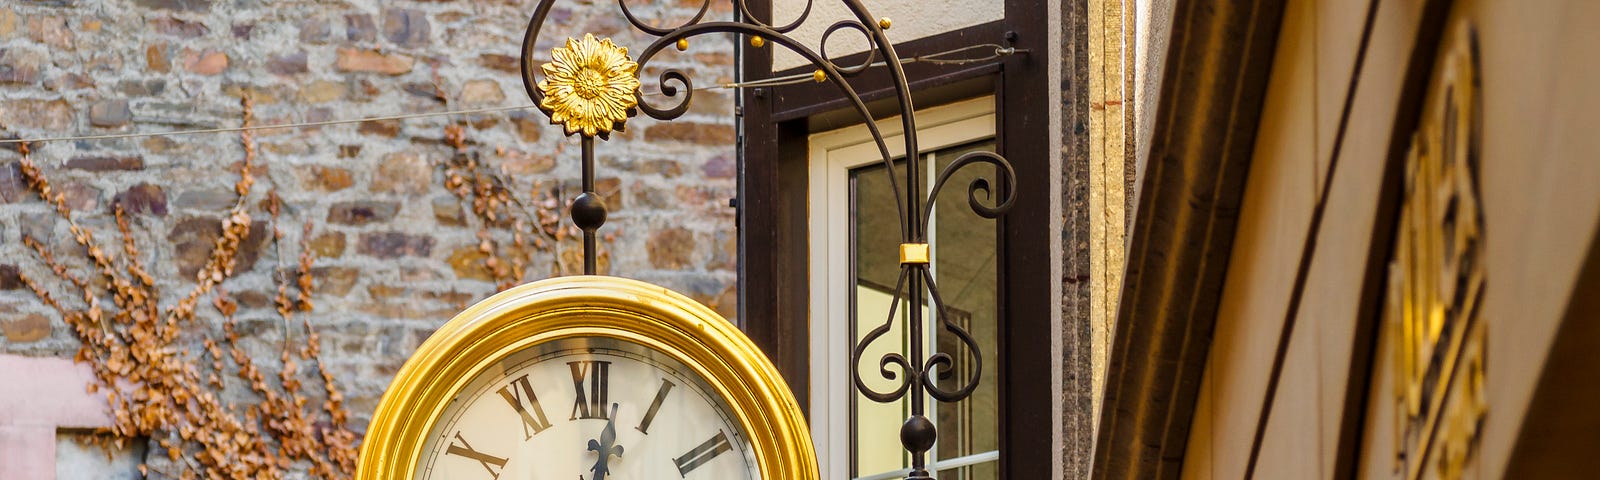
(772, 202)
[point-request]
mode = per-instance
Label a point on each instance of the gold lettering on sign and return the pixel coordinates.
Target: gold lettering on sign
(1463, 411)
(1435, 279)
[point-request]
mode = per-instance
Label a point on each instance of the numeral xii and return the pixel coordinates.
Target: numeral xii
(591, 377)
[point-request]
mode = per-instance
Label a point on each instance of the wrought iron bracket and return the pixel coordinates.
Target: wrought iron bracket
(587, 90)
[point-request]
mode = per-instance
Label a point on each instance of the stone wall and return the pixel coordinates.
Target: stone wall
(1078, 190)
(395, 250)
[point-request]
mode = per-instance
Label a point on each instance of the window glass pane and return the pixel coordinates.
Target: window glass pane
(964, 262)
(875, 230)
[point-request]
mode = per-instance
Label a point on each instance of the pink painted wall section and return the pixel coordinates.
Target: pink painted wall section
(27, 451)
(40, 396)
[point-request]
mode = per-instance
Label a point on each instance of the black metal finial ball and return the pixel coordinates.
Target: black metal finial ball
(918, 434)
(588, 211)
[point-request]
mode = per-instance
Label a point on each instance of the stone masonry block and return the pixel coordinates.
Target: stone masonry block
(210, 62)
(193, 238)
(106, 163)
(10, 278)
(395, 245)
(688, 132)
(144, 198)
(362, 212)
(402, 172)
(287, 64)
(179, 5)
(406, 27)
(49, 115)
(370, 61)
(110, 113)
(671, 248)
(359, 27)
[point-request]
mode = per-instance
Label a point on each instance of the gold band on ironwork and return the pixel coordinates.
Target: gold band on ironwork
(913, 253)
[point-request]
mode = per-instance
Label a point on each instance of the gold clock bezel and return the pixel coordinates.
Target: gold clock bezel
(588, 306)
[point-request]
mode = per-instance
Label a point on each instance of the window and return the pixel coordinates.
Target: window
(855, 237)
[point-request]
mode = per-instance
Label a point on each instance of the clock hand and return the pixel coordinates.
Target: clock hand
(606, 447)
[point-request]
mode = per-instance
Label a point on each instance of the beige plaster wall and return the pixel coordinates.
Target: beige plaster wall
(1152, 27)
(912, 19)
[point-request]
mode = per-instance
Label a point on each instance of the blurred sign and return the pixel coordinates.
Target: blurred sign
(1436, 277)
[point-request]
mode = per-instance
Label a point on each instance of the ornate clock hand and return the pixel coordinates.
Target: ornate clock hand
(606, 447)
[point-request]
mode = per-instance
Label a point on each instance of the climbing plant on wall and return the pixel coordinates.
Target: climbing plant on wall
(511, 230)
(137, 342)
(174, 378)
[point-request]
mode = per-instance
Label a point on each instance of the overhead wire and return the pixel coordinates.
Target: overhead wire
(263, 127)
(940, 58)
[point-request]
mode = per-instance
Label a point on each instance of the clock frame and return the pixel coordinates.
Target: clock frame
(588, 307)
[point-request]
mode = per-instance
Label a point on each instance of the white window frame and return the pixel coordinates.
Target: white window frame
(832, 155)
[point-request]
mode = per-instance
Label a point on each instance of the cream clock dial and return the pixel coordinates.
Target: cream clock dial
(598, 378)
(594, 408)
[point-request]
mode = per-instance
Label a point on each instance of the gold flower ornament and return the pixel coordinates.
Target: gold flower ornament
(590, 86)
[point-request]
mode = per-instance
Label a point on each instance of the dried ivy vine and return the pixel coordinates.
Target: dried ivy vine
(156, 388)
(511, 231)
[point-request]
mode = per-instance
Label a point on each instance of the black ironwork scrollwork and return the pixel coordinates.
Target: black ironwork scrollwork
(852, 25)
(744, 8)
(668, 89)
(658, 31)
(915, 373)
(978, 185)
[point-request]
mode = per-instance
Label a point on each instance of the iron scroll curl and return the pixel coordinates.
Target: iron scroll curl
(914, 373)
(858, 353)
(1007, 200)
(705, 5)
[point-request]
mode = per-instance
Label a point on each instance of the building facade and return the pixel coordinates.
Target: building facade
(1365, 247)
(398, 222)
(1242, 239)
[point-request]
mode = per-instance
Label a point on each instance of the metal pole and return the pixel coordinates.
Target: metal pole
(588, 210)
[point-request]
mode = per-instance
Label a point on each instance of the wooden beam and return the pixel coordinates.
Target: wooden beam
(1212, 90)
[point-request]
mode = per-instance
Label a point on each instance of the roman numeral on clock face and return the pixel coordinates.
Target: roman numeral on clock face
(650, 415)
(590, 375)
(461, 448)
(519, 393)
(702, 454)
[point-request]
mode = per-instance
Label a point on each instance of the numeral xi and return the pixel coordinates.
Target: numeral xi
(533, 420)
(592, 405)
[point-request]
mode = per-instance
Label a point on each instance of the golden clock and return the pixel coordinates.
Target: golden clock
(598, 377)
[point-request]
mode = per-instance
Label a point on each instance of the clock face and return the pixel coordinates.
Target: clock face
(595, 408)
